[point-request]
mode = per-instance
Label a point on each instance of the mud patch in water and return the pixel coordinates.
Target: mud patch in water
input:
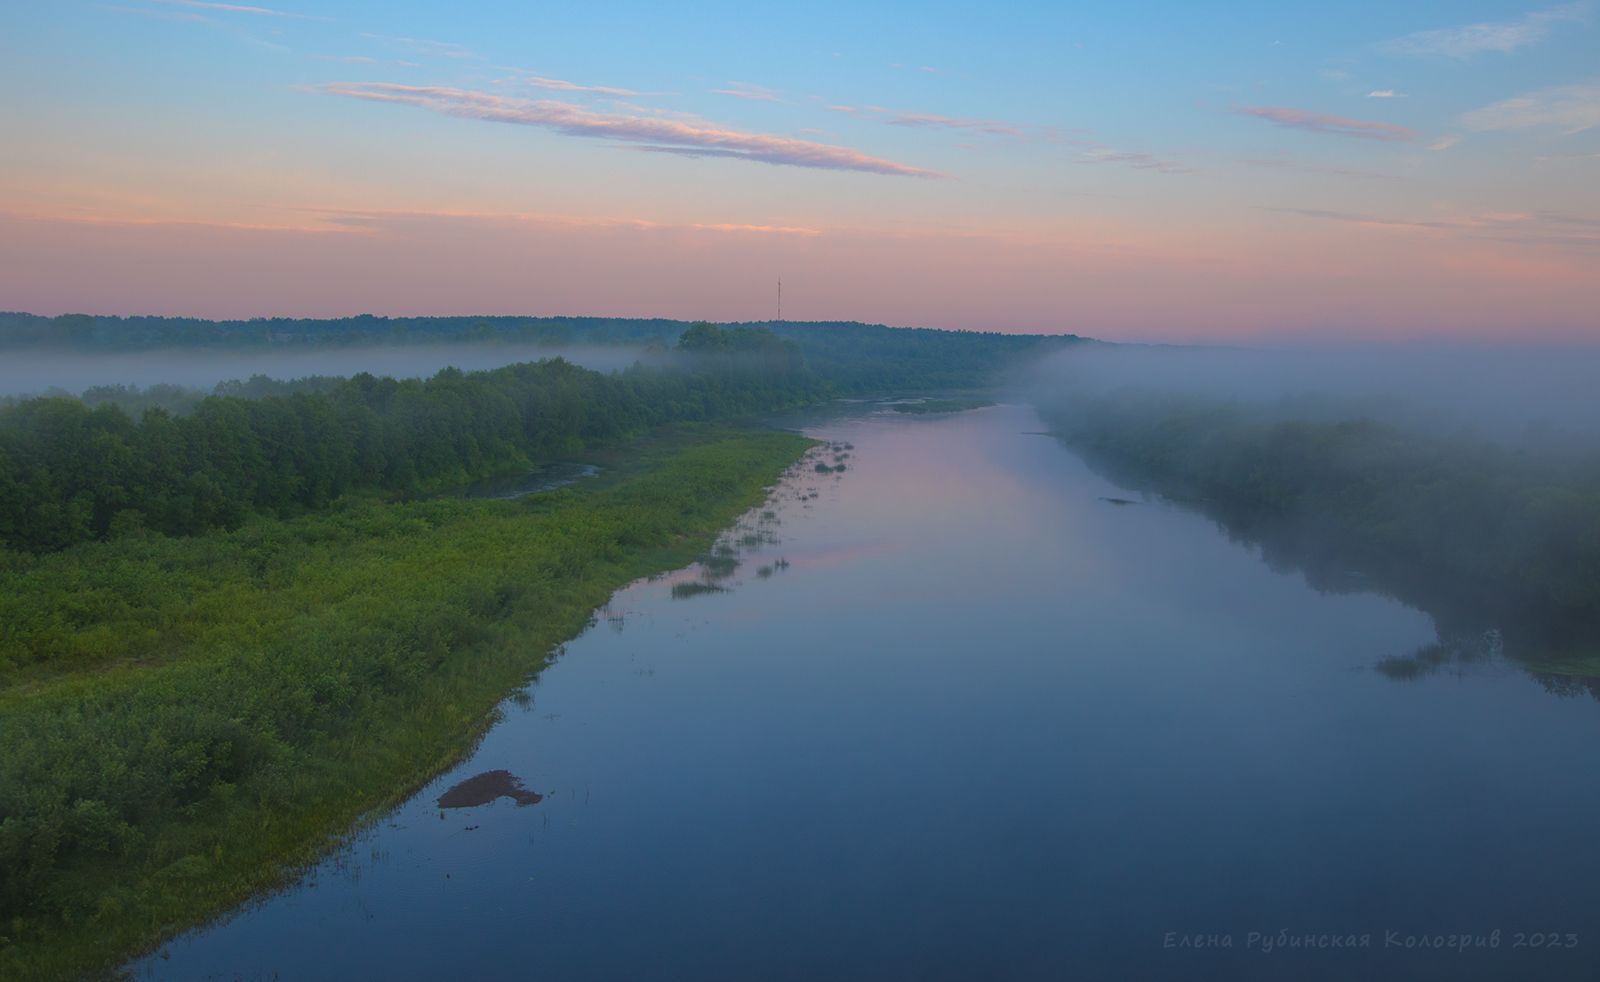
(486, 787)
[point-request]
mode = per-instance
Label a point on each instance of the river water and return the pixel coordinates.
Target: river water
(980, 723)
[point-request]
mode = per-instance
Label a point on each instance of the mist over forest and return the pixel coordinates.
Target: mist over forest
(1533, 395)
(33, 372)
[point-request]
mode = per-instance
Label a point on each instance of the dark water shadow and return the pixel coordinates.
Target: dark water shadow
(481, 789)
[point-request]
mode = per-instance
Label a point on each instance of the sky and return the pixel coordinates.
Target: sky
(1263, 172)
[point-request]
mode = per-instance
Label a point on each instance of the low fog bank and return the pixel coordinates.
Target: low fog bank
(36, 373)
(1534, 394)
(1463, 481)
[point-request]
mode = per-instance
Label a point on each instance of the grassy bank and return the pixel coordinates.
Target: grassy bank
(183, 720)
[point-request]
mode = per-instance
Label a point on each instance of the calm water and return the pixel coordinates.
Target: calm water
(984, 725)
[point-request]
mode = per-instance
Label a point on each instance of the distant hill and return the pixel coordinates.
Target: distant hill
(854, 357)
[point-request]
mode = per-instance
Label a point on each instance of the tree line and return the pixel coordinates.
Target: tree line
(71, 472)
(1480, 534)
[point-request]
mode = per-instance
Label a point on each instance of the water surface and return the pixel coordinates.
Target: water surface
(981, 721)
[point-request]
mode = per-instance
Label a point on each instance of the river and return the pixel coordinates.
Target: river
(981, 722)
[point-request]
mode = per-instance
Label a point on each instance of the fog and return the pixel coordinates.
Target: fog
(36, 372)
(1545, 393)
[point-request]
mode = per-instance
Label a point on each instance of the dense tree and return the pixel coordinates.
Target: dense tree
(75, 472)
(1480, 534)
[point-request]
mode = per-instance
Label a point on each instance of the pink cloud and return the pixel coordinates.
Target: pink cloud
(1138, 161)
(674, 135)
(990, 126)
(561, 85)
(1302, 119)
(744, 90)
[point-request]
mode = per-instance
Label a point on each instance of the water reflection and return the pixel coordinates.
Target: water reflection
(1469, 634)
(480, 789)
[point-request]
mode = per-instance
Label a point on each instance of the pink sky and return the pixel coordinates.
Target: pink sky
(1365, 173)
(1293, 276)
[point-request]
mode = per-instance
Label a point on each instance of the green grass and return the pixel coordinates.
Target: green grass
(184, 722)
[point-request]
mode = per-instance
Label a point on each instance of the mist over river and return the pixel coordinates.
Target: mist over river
(957, 715)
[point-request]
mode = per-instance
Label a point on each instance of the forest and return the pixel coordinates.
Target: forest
(1483, 535)
(70, 472)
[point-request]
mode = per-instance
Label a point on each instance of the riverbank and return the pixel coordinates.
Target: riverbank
(1489, 539)
(212, 712)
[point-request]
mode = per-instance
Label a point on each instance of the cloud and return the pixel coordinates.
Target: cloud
(423, 46)
(744, 90)
(1575, 232)
(916, 120)
(1570, 108)
(1138, 161)
(1474, 39)
(675, 136)
(1285, 163)
(1302, 119)
(993, 127)
(235, 8)
(560, 85)
(376, 220)
(1385, 94)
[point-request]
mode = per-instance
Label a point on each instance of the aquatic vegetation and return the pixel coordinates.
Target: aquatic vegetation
(695, 588)
(721, 562)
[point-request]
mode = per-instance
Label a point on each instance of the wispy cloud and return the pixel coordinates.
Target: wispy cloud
(1505, 37)
(1569, 108)
(676, 136)
(1513, 227)
(561, 85)
(237, 8)
(993, 127)
(919, 120)
(1139, 161)
(745, 90)
(1302, 119)
(424, 46)
(1385, 94)
(372, 220)
(1286, 163)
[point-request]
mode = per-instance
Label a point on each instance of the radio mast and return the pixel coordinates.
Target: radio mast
(780, 298)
